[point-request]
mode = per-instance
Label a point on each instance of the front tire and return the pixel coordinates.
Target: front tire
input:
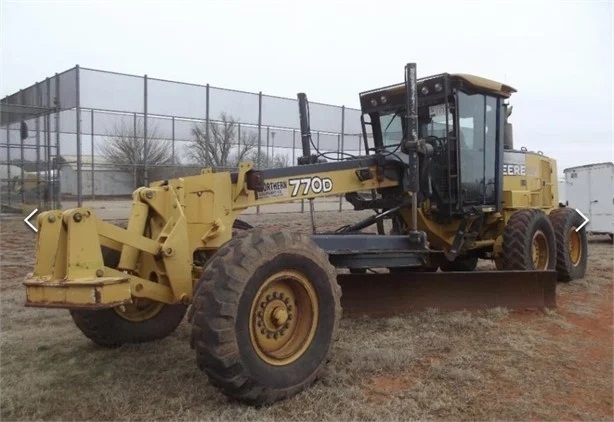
(267, 312)
(572, 245)
(141, 322)
(529, 242)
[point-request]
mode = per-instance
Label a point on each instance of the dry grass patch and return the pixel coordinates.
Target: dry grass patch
(431, 365)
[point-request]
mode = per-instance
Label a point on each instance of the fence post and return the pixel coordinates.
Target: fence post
(259, 137)
(8, 159)
(135, 165)
(173, 145)
(268, 157)
(207, 113)
(342, 148)
(58, 103)
(293, 147)
(145, 149)
(39, 102)
(38, 160)
(93, 167)
(47, 142)
(239, 143)
(21, 158)
(259, 129)
(339, 155)
(79, 169)
(21, 148)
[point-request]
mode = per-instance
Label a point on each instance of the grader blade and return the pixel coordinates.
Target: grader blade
(391, 294)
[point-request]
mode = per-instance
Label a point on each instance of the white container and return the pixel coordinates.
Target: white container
(562, 192)
(590, 189)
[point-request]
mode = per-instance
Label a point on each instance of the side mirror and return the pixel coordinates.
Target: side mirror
(23, 130)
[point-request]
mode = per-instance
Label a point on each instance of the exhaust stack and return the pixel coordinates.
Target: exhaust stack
(303, 110)
(508, 134)
(413, 182)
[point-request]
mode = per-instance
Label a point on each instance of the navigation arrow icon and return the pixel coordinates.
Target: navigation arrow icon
(27, 220)
(585, 220)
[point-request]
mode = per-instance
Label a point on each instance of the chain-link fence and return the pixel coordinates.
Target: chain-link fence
(86, 135)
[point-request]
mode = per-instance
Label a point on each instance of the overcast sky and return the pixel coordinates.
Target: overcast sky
(557, 54)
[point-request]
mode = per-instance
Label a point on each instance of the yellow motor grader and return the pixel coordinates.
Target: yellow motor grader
(265, 307)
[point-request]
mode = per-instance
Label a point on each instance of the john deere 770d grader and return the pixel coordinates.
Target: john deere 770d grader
(265, 307)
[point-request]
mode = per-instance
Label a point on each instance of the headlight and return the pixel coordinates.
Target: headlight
(383, 99)
(424, 90)
(438, 87)
(373, 102)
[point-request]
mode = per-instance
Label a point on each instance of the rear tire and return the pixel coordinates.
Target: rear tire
(266, 316)
(529, 242)
(572, 246)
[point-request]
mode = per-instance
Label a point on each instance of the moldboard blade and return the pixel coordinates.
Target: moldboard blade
(392, 294)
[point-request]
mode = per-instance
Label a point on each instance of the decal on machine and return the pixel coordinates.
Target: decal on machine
(437, 110)
(514, 170)
(514, 164)
(310, 185)
(273, 190)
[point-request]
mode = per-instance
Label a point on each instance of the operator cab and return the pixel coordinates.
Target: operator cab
(462, 118)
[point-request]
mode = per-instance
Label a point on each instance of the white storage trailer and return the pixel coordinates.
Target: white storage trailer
(590, 189)
(562, 192)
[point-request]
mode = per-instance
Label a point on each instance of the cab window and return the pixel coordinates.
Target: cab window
(392, 129)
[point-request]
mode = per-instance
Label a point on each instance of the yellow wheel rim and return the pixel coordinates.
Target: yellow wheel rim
(283, 318)
(575, 246)
(539, 251)
(140, 310)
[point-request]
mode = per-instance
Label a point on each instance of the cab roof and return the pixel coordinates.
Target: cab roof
(475, 82)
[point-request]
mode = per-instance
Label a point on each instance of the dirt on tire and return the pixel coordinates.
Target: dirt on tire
(226, 292)
(563, 221)
(517, 238)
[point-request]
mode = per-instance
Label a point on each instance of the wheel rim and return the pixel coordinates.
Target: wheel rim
(283, 318)
(140, 310)
(575, 246)
(539, 251)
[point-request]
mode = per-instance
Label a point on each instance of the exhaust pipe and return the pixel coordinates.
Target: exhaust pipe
(413, 181)
(303, 110)
(508, 134)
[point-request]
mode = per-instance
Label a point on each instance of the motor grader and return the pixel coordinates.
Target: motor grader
(264, 307)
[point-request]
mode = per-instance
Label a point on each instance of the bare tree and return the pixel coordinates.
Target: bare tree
(281, 160)
(267, 162)
(125, 148)
(223, 146)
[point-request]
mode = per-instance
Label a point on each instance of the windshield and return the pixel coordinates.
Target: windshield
(392, 125)
(433, 123)
(436, 123)
(392, 129)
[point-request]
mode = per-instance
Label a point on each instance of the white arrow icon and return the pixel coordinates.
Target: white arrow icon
(27, 220)
(585, 220)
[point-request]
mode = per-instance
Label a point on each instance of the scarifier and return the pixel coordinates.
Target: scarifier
(265, 307)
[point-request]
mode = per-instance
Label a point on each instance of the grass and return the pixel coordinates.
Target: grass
(489, 365)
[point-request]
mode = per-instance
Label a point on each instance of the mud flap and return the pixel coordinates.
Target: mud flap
(393, 294)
